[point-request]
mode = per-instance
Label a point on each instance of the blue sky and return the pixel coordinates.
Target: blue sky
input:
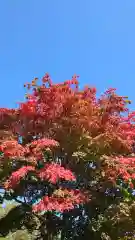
(95, 39)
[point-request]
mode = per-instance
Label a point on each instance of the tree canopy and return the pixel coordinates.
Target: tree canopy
(67, 164)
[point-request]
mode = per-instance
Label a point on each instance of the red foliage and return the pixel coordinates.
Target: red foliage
(43, 143)
(16, 176)
(60, 110)
(11, 148)
(60, 201)
(54, 172)
(79, 122)
(121, 168)
(127, 167)
(34, 150)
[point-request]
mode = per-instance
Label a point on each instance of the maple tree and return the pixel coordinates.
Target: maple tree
(65, 152)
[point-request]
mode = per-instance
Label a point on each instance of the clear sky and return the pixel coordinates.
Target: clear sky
(92, 38)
